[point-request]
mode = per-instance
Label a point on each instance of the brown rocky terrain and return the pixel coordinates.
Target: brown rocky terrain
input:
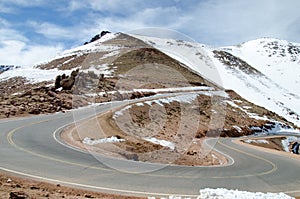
(134, 65)
(13, 187)
(132, 68)
(186, 125)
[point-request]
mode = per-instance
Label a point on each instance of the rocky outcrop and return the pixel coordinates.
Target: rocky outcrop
(38, 101)
(18, 195)
(65, 82)
(97, 37)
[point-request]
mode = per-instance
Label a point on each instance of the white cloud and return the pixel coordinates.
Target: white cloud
(212, 21)
(232, 21)
(13, 52)
(11, 5)
(3, 22)
(149, 17)
(16, 49)
(53, 31)
(11, 34)
(113, 6)
(24, 3)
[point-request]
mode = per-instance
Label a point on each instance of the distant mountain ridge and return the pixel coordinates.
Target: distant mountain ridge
(8, 67)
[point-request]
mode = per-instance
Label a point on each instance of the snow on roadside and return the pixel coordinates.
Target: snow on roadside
(181, 98)
(287, 142)
(186, 97)
(164, 143)
(176, 89)
(279, 128)
(222, 193)
(121, 112)
(90, 141)
(249, 141)
(275, 128)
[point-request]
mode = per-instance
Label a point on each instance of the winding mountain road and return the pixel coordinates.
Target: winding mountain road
(31, 147)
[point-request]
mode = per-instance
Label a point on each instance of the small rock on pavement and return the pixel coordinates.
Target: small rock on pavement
(88, 196)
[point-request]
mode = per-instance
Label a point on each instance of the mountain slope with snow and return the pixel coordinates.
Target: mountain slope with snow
(263, 71)
(277, 59)
(231, 72)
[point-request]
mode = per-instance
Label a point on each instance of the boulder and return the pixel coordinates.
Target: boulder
(18, 195)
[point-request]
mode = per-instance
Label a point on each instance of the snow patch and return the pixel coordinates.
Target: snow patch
(90, 141)
(34, 75)
(120, 112)
(280, 128)
(238, 128)
(222, 193)
(249, 141)
(96, 46)
(245, 109)
(176, 89)
(164, 143)
(99, 69)
(287, 142)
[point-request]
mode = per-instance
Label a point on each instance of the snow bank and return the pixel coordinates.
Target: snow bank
(164, 143)
(187, 98)
(90, 141)
(287, 142)
(121, 112)
(99, 69)
(176, 89)
(222, 193)
(256, 141)
(279, 128)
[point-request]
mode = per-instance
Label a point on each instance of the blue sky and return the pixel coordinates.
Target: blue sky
(36, 30)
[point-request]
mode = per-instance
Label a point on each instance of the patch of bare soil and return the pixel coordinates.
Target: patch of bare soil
(13, 187)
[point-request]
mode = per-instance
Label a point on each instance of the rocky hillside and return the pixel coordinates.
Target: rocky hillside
(264, 71)
(121, 66)
(109, 68)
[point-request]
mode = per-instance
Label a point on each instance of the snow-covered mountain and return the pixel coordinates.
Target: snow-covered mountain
(277, 59)
(263, 71)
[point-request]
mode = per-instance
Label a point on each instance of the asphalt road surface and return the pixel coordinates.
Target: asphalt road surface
(31, 147)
